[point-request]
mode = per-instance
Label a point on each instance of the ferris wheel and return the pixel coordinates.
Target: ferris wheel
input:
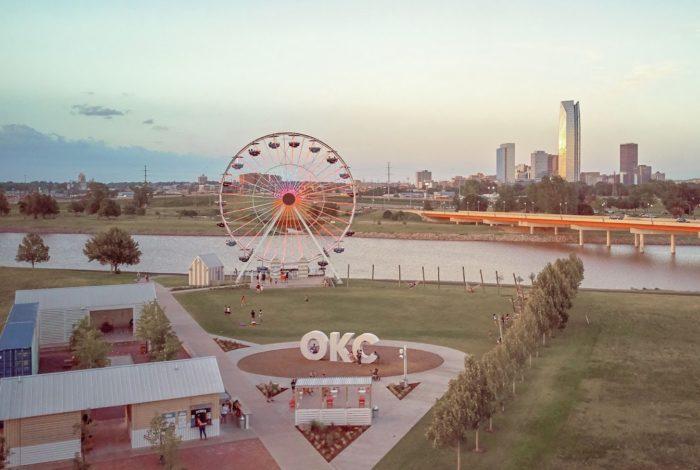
(287, 199)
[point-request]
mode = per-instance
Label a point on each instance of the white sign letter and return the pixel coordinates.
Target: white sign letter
(339, 346)
(370, 338)
(314, 345)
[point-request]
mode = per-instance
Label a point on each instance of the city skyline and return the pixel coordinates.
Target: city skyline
(205, 91)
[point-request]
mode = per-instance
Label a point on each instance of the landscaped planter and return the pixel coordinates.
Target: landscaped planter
(228, 345)
(329, 441)
(400, 391)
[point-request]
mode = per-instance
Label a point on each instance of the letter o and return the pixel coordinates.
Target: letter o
(322, 341)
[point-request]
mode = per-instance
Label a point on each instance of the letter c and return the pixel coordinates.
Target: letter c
(370, 338)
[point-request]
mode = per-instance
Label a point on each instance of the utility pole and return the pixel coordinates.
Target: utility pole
(388, 178)
(145, 175)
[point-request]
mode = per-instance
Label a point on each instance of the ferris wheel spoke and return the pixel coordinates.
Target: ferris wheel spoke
(312, 209)
(323, 191)
(257, 220)
(269, 191)
(249, 208)
(320, 249)
(272, 223)
(252, 213)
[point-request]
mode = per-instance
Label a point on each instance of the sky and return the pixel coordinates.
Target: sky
(436, 85)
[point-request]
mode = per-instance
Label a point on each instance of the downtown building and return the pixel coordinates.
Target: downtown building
(543, 164)
(505, 163)
(423, 178)
(629, 159)
(569, 140)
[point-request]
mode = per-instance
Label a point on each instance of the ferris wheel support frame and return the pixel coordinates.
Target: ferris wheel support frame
(269, 228)
(323, 253)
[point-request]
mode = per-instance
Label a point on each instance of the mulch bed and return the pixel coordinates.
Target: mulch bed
(400, 391)
(329, 441)
(279, 390)
(228, 345)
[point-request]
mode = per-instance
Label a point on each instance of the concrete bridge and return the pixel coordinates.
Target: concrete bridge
(581, 223)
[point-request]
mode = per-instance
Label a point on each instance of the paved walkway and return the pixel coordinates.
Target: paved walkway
(273, 422)
(396, 417)
(286, 445)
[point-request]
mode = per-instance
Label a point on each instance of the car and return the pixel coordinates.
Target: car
(617, 216)
(682, 220)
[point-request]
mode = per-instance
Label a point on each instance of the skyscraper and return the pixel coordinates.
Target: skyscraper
(423, 178)
(629, 159)
(542, 164)
(505, 163)
(569, 140)
(643, 174)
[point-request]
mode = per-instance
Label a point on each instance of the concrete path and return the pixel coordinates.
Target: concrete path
(286, 445)
(396, 417)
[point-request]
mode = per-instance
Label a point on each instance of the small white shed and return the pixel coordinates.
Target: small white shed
(206, 270)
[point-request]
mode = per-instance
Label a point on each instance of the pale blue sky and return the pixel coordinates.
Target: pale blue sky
(423, 84)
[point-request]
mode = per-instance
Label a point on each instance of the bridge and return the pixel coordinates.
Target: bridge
(581, 223)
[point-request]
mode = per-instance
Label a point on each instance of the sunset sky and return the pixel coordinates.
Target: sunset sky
(435, 85)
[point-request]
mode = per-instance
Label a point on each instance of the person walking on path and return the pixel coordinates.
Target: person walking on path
(202, 427)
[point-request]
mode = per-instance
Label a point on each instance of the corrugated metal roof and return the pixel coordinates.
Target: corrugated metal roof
(23, 312)
(17, 336)
(332, 381)
(89, 296)
(210, 260)
(61, 392)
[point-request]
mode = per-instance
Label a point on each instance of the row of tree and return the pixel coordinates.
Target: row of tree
(483, 387)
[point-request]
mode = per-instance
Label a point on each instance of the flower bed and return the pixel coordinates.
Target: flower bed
(228, 345)
(400, 391)
(329, 441)
(273, 389)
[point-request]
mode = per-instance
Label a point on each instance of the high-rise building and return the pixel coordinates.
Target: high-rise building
(542, 164)
(569, 140)
(423, 178)
(643, 174)
(658, 176)
(591, 178)
(505, 163)
(629, 159)
(202, 179)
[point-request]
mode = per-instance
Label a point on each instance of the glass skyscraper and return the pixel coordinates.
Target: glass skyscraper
(505, 163)
(569, 140)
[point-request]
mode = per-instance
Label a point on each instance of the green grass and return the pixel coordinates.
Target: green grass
(446, 316)
(171, 280)
(618, 393)
(373, 222)
(12, 279)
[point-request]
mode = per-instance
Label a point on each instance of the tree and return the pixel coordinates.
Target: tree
(36, 205)
(447, 428)
(4, 452)
(109, 208)
(164, 440)
(478, 395)
(77, 207)
(85, 427)
(97, 192)
(79, 331)
(427, 205)
(32, 250)
(141, 195)
(4, 204)
(155, 328)
(113, 247)
(91, 350)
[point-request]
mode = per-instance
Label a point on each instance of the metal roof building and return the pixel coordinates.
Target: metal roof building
(61, 308)
(19, 342)
(61, 392)
(206, 270)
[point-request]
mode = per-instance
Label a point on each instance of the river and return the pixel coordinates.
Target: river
(620, 267)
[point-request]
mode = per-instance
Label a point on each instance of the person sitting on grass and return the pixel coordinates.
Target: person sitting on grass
(252, 317)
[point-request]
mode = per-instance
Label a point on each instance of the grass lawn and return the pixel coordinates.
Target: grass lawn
(618, 393)
(12, 279)
(173, 280)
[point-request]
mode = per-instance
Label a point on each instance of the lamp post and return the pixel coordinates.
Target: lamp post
(403, 354)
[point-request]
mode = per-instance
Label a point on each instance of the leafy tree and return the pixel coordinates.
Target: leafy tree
(164, 440)
(507, 199)
(97, 192)
(77, 207)
(474, 202)
(427, 205)
(141, 195)
(387, 214)
(113, 247)
(91, 350)
(79, 331)
(32, 250)
(85, 427)
(448, 426)
(154, 327)
(36, 205)
(4, 452)
(4, 204)
(478, 395)
(109, 208)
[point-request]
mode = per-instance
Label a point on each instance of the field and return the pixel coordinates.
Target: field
(618, 393)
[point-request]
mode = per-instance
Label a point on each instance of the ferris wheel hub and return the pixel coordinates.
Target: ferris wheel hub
(289, 199)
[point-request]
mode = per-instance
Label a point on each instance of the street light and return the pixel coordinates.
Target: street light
(403, 354)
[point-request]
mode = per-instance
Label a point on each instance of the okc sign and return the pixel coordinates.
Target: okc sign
(337, 344)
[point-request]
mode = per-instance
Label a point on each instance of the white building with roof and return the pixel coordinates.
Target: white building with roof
(206, 270)
(40, 412)
(61, 308)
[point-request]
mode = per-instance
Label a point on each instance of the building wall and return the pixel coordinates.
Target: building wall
(505, 163)
(142, 414)
(569, 141)
(629, 159)
(119, 318)
(42, 438)
(201, 275)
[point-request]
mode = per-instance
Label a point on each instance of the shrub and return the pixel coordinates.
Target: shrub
(188, 213)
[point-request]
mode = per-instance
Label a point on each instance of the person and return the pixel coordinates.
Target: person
(306, 299)
(375, 374)
(146, 277)
(252, 317)
(200, 421)
(224, 411)
(293, 384)
(260, 316)
(258, 288)
(359, 357)
(237, 411)
(227, 310)
(243, 300)
(263, 277)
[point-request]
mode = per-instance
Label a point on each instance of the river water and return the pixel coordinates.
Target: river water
(620, 267)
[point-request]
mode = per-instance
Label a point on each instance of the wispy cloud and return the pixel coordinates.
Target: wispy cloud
(98, 111)
(160, 128)
(148, 121)
(646, 73)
